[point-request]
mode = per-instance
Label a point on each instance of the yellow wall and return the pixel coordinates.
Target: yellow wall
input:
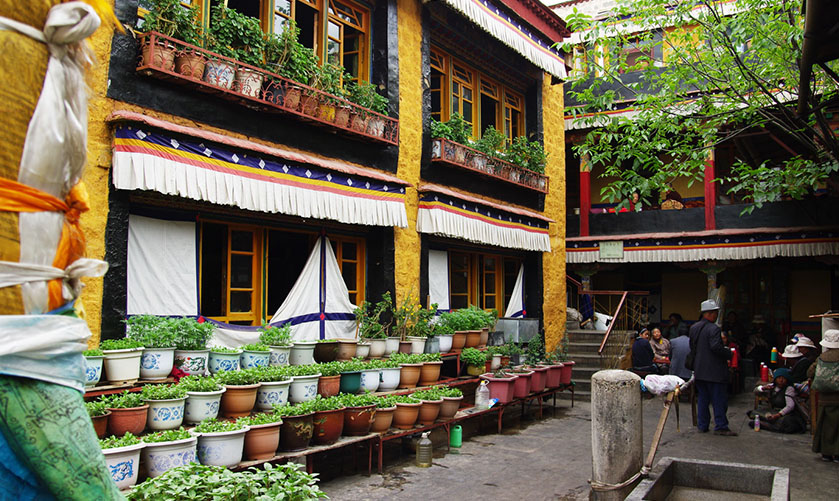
(682, 293)
(809, 293)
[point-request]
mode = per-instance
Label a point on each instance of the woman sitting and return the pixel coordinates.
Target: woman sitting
(786, 417)
(825, 376)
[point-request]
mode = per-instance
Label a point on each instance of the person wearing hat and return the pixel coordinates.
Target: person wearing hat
(825, 376)
(786, 416)
(808, 354)
(710, 369)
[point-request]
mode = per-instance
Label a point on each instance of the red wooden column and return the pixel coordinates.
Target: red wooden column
(710, 191)
(585, 194)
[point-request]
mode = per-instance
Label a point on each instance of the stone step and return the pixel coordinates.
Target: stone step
(581, 384)
(583, 347)
(585, 360)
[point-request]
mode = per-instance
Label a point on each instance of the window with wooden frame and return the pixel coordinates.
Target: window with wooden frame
(460, 280)
(485, 280)
(483, 102)
(350, 251)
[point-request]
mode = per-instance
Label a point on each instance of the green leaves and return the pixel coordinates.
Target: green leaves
(93, 353)
(455, 129)
(113, 442)
(367, 96)
(275, 336)
(96, 408)
(260, 418)
(369, 317)
(236, 35)
(162, 392)
(199, 384)
(241, 377)
(473, 356)
(120, 344)
(167, 436)
(256, 347)
(124, 400)
(222, 349)
(213, 425)
(535, 350)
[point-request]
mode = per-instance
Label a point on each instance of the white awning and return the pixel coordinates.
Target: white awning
(199, 170)
(512, 33)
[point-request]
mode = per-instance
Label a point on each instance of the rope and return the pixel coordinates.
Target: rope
(606, 487)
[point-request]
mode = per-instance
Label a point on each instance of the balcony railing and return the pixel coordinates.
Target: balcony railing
(451, 153)
(170, 59)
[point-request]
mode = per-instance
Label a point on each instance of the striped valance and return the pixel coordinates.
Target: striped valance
(444, 215)
(513, 34)
(723, 247)
(150, 160)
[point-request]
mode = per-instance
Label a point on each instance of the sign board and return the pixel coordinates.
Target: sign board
(611, 250)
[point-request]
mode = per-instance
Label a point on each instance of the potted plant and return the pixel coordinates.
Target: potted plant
(304, 383)
(452, 397)
(302, 353)
(492, 143)
(92, 366)
(429, 410)
(203, 397)
(240, 396)
(456, 130)
(278, 340)
(363, 349)
(561, 355)
(274, 383)
(501, 385)
(328, 419)
(521, 387)
(296, 430)
(122, 360)
(444, 335)
(165, 17)
(326, 351)
(220, 443)
(456, 323)
(223, 359)
(350, 376)
(168, 449)
(527, 154)
(406, 413)
(430, 371)
(391, 374)
(411, 366)
(347, 349)
(166, 405)
(329, 383)
(371, 376)
(254, 355)
(220, 72)
(263, 436)
(128, 413)
(191, 338)
(474, 359)
(383, 417)
(98, 412)
(365, 95)
(327, 78)
(358, 413)
(158, 341)
(238, 37)
(287, 57)
(122, 457)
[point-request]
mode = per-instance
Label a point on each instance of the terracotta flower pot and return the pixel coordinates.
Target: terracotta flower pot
(342, 116)
(357, 420)
(484, 338)
(382, 420)
(350, 382)
(261, 441)
(405, 346)
(409, 375)
(238, 400)
(429, 410)
(358, 122)
(553, 376)
(329, 385)
(500, 387)
(328, 426)
(326, 352)
(291, 97)
(405, 416)
(449, 407)
(521, 388)
(163, 56)
(100, 424)
(190, 64)
(309, 105)
(458, 341)
(430, 373)
(132, 419)
(567, 367)
(296, 432)
(538, 379)
(326, 111)
(473, 339)
(347, 349)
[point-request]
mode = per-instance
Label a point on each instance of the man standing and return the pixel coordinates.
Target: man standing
(710, 368)
(679, 348)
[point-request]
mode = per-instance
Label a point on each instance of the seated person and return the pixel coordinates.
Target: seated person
(786, 416)
(809, 353)
(661, 347)
(792, 356)
(643, 356)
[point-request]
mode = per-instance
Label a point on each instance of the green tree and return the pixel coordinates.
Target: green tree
(700, 73)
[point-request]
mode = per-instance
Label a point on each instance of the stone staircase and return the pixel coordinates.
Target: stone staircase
(582, 349)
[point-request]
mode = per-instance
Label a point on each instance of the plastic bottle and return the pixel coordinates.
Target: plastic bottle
(482, 396)
(456, 439)
(764, 373)
(425, 451)
(757, 422)
(774, 357)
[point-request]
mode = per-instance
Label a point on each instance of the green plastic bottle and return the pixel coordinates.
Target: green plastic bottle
(456, 439)
(425, 451)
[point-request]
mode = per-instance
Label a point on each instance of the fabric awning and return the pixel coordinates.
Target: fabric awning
(513, 34)
(447, 213)
(146, 159)
(706, 248)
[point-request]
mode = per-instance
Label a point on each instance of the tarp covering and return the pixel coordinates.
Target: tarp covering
(438, 279)
(516, 307)
(148, 160)
(162, 275)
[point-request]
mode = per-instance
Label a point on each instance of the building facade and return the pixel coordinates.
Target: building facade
(208, 200)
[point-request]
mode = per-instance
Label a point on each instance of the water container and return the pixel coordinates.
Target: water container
(456, 439)
(482, 396)
(425, 450)
(764, 373)
(774, 356)
(757, 422)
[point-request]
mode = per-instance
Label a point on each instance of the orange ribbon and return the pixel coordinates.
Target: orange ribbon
(18, 197)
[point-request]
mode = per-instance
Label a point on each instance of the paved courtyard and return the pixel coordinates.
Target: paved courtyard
(551, 459)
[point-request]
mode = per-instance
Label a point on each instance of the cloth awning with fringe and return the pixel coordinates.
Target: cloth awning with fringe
(197, 169)
(444, 213)
(512, 33)
(705, 248)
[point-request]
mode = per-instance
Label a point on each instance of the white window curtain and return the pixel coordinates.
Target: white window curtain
(438, 278)
(516, 307)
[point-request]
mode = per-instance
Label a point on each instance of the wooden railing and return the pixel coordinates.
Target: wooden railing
(200, 69)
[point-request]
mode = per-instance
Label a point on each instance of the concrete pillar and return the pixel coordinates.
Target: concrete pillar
(617, 442)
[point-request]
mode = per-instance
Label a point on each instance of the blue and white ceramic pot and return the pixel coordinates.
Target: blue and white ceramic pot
(123, 464)
(271, 393)
(93, 370)
(156, 363)
(221, 362)
(165, 414)
(201, 405)
(221, 449)
(251, 359)
(160, 457)
(279, 355)
(193, 362)
(370, 380)
(303, 388)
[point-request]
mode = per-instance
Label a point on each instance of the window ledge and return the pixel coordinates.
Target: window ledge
(457, 155)
(184, 64)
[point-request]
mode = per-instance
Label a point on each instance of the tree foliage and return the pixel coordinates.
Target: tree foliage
(698, 74)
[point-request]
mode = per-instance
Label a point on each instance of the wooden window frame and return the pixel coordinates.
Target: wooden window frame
(440, 62)
(476, 278)
(519, 122)
(464, 83)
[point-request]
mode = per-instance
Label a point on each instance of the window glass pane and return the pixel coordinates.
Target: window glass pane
(241, 271)
(279, 24)
(241, 241)
(489, 302)
(467, 111)
(458, 302)
(348, 271)
(467, 93)
(353, 297)
(283, 6)
(489, 283)
(213, 269)
(349, 250)
(334, 30)
(240, 301)
(460, 282)
(489, 263)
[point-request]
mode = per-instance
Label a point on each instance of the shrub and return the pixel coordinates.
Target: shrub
(473, 356)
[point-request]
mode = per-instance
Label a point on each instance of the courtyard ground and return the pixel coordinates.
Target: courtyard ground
(551, 459)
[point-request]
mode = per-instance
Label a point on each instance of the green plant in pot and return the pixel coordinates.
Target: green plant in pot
(327, 78)
(287, 57)
(98, 412)
(366, 95)
(191, 338)
(128, 413)
(158, 339)
(528, 154)
(169, 18)
(237, 37)
(272, 335)
(475, 361)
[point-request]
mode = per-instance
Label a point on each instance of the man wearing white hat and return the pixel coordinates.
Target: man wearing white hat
(809, 354)
(710, 368)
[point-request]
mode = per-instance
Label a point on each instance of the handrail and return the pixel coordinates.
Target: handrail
(574, 281)
(615, 293)
(612, 324)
